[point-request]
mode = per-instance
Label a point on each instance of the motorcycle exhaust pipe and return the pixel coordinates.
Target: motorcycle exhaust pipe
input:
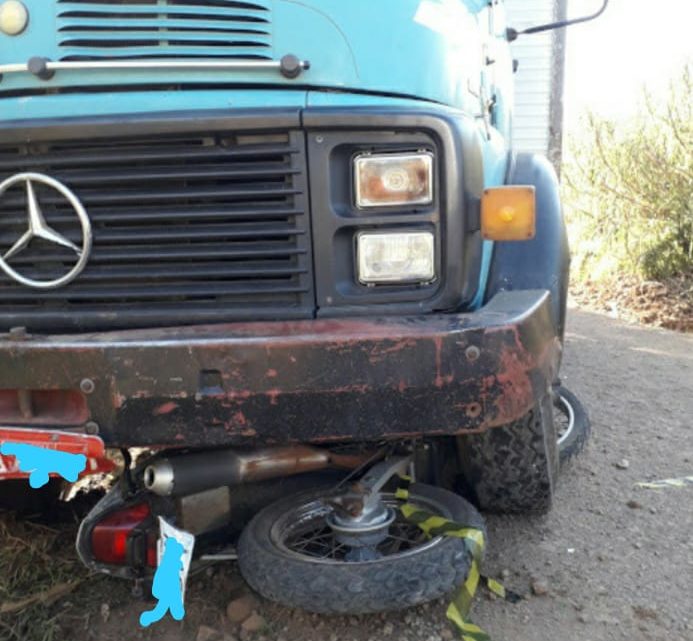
(192, 473)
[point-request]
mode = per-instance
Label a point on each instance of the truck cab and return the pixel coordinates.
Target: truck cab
(264, 239)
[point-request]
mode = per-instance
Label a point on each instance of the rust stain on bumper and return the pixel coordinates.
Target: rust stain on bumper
(304, 381)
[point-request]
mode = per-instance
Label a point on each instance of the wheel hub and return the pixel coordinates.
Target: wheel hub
(359, 519)
(361, 530)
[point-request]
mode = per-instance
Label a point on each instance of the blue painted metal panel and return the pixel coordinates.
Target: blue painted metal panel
(139, 102)
(495, 173)
(427, 49)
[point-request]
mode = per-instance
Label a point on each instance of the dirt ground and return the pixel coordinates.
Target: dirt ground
(616, 561)
(667, 304)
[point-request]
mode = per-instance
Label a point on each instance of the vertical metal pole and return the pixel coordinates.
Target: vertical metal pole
(557, 87)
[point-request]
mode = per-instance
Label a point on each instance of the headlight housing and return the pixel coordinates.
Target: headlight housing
(390, 180)
(395, 257)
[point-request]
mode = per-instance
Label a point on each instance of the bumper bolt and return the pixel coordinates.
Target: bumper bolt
(39, 67)
(473, 410)
(87, 386)
(92, 428)
(472, 353)
(291, 67)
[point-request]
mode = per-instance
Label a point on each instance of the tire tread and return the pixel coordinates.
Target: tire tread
(513, 468)
(356, 588)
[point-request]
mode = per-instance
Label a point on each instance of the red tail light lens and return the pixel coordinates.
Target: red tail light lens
(123, 538)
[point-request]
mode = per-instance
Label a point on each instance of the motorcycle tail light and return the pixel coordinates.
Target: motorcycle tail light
(125, 537)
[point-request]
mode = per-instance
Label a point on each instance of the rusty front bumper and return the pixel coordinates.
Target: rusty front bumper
(307, 381)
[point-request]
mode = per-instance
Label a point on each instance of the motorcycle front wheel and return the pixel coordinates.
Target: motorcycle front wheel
(289, 554)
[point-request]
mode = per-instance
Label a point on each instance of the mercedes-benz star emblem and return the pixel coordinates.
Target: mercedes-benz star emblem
(39, 228)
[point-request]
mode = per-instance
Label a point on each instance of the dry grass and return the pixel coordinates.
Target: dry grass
(667, 304)
(38, 568)
(46, 594)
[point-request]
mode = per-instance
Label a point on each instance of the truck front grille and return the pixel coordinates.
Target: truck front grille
(187, 228)
(132, 29)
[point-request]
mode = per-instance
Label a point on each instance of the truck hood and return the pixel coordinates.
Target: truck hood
(427, 49)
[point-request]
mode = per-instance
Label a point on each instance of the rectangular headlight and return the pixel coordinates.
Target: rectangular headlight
(404, 257)
(388, 180)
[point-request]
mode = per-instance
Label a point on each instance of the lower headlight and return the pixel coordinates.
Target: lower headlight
(404, 257)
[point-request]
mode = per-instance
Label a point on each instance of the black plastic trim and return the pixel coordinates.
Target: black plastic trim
(294, 299)
(19, 131)
(455, 140)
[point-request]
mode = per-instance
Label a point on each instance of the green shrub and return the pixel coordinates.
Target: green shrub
(628, 189)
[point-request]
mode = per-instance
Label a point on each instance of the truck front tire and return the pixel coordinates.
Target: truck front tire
(513, 468)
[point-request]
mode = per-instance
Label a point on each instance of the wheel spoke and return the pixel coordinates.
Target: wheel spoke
(399, 538)
(309, 535)
(317, 537)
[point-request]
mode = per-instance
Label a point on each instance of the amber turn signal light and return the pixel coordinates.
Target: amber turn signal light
(508, 213)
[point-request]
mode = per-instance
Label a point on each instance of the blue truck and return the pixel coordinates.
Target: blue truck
(265, 257)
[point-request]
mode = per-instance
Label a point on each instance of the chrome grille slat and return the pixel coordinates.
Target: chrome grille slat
(179, 220)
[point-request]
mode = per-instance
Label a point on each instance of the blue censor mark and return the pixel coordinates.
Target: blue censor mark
(167, 585)
(40, 462)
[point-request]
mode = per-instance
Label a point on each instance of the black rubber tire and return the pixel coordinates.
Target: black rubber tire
(576, 441)
(391, 583)
(513, 468)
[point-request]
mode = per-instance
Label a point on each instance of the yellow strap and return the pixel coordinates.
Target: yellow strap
(468, 631)
(402, 494)
(433, 526)
(458, 610)
(496, 588)
(472, 582)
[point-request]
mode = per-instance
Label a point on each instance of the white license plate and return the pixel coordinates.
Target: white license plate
(187, 540)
